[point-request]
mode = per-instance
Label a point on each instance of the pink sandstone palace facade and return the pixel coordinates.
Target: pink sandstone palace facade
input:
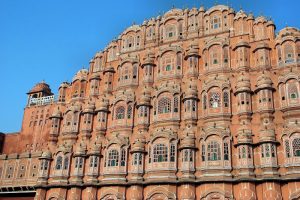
(193, 104)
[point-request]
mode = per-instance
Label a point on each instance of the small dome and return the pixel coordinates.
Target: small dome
(264, 81)
(40, 87)
(243, 83)
(81, 75)
(64, 85)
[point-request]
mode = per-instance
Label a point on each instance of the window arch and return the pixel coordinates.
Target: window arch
(213, 151)
(66, 163)
(120, 112)
(129, 112)
(289, 54)
(215, 22)
(226, 99)
(160, 153)
(214, 100)
(296, 147)
(58, 165)
(204, 102)
(137, 159)
(293, 91)
(113, 158)
(164, 105)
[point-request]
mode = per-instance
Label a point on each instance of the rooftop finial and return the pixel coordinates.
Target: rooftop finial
(216, 2)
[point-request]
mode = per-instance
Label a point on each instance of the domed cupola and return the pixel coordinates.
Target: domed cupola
(264, 82)
(243, 84)
(81, 75)
(42, 88)
(40, 94)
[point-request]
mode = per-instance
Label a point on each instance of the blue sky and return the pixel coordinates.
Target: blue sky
(52, 39)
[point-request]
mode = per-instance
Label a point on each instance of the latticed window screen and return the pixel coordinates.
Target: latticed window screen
(172, 153)
(137, 159)
(214, 100)
(129, 112)
(78, 162)
(203, 152)
(176, 104)
(120, 112)
(160, 153)
(226, 99)
(113, 158)
(293, 91)
(296, 147)
(187, 155)
(66, 162)
(204, 102)
(164, 105)
(58, 165)
(123, 157)
(226, 151)
(94, 161)
(213, 151)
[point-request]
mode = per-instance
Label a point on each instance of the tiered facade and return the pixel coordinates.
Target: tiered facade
(194, 104)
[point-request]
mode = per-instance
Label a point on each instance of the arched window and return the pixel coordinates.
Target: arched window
(129, 112)
(79, 162)
(172, 152)
(137, 159)
(164, 105)
(226, 99)
(134, 71)
(120, 112)
(287, 148)
(289, 55)
(170, 31)
(176, 104)
(203, 152)
(66, 163)
(58, 165)
(187, 155)
(94, 161)
(204, 102)
(113, 158)
(293, 91)
(215, 23)
(296, 147)
(226, 151)
(160, 153)
(214, 100)
(123, 157)
(130, 42)
(213, 151)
